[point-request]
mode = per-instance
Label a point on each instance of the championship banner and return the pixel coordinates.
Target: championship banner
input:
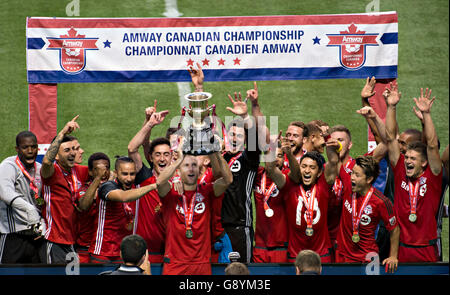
(79, 50)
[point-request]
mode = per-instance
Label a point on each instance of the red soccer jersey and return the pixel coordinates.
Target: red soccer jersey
(423, 231)
(296, 218)
(86, 220)
(148, 221)
(378, 208)
(179, 248)
(59, 211)
(269, 231)
(341, 187)
(112, 223)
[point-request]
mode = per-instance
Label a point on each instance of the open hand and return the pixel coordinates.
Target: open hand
(424, 102)
(239, 106)
(367, 90)
(392, 95)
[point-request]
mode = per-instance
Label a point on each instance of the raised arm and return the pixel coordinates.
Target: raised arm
(197, 77)
(219, 164)
(47, 168)
(162, 182)
(294, 167)
(85, 202)
(142, 136)
(146, 145)
(274, 172)
(119, 195)
(392, 97)
(331, 168)
(263, 131)
(366, 93)
(424, 104)
(371, 116)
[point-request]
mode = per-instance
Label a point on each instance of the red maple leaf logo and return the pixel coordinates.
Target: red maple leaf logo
(352, 29)
(72, 34)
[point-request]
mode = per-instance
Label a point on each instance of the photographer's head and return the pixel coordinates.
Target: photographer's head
(132, 250)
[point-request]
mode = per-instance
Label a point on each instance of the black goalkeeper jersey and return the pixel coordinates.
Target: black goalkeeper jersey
(237, 202)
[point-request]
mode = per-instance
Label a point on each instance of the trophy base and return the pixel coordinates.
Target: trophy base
(200, 141)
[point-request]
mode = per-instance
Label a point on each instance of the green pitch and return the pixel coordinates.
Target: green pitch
(110, 114)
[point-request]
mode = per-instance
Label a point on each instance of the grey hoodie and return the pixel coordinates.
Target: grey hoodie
(15, 188)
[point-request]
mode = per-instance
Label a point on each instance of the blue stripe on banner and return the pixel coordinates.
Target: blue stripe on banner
(380, 72)
(389, 38)
(35, 43)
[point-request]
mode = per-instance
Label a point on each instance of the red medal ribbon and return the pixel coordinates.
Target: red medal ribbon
(202, 180)
(268, 192)
(72, 181)
(232, 160)
(356, 218)
(189, 212)
(309, 202)
(33, 186)
(413, 195)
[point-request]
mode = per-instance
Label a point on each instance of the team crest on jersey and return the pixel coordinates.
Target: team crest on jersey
(72, 50)
(236, 166)
(352, 46)
(365, 219)
(368, 210)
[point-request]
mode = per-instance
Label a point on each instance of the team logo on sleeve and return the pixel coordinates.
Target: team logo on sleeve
(352, 46)
(392, 221)
(72, 50)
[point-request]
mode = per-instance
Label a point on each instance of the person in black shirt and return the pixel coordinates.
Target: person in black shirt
(134, 253)
(242, 155)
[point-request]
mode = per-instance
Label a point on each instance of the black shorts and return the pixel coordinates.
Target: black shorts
(241, 238)
(59, 253)
(21, 248)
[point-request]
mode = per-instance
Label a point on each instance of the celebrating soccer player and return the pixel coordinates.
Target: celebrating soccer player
(418, 181)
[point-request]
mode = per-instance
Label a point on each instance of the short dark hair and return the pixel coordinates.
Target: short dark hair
(316, 156)
(308, 260)
(340, 128)
(238, 122)
(66, 138)
(96, 157)
(122, 159)
(370, 167)
(419, 147)
(156, 142)
(310, 129)
(320, 123)
(170, 131)
(299, 124)
(237, 268)
(415, 133)
(24, 134)
(133, 248)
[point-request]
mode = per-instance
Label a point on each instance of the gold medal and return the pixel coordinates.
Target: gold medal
(309, 232)
(355, 238)
(412, 217)
(189, 234)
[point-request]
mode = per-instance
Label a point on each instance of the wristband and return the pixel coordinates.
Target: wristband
(340, 147)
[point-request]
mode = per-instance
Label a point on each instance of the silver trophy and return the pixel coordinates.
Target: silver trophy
(200, 134)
